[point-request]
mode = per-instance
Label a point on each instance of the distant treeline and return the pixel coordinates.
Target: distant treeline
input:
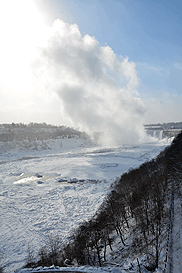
(29, 125)
(37, 131)
(165, 126)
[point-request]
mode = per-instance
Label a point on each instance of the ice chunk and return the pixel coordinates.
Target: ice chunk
(38, 175)
(73, 180)
(62, 179)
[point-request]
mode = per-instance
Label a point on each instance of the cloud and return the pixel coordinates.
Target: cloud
(178, 66)
(149, 67)
(168, 110)
(97, 89)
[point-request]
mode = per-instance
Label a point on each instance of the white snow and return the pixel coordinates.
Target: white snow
(37, 197)
(177, 237)
(84, 269)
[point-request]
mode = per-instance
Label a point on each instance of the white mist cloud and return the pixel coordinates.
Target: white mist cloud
(97, 90)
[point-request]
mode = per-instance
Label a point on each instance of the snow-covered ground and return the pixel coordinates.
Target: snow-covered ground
(52, 191)
(80, 269)
(177, 237)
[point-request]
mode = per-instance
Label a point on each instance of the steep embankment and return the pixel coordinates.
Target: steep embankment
(136, 216)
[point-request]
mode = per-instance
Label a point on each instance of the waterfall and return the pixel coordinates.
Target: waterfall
(156, 134)
(161, 135)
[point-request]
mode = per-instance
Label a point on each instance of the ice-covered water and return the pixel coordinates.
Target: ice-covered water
(34, 204)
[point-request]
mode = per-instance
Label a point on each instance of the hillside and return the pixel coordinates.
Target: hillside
(36, 131)
(135, 225)
(38, 137)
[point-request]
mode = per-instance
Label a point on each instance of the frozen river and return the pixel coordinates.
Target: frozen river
(35, 203)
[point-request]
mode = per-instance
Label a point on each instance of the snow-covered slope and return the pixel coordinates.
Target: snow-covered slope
(34, 201)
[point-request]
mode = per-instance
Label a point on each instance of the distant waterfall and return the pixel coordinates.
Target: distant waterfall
(161, 135)
(156, 134)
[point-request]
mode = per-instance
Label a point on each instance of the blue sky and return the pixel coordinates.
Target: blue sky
(148, 32)
(144, 36)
